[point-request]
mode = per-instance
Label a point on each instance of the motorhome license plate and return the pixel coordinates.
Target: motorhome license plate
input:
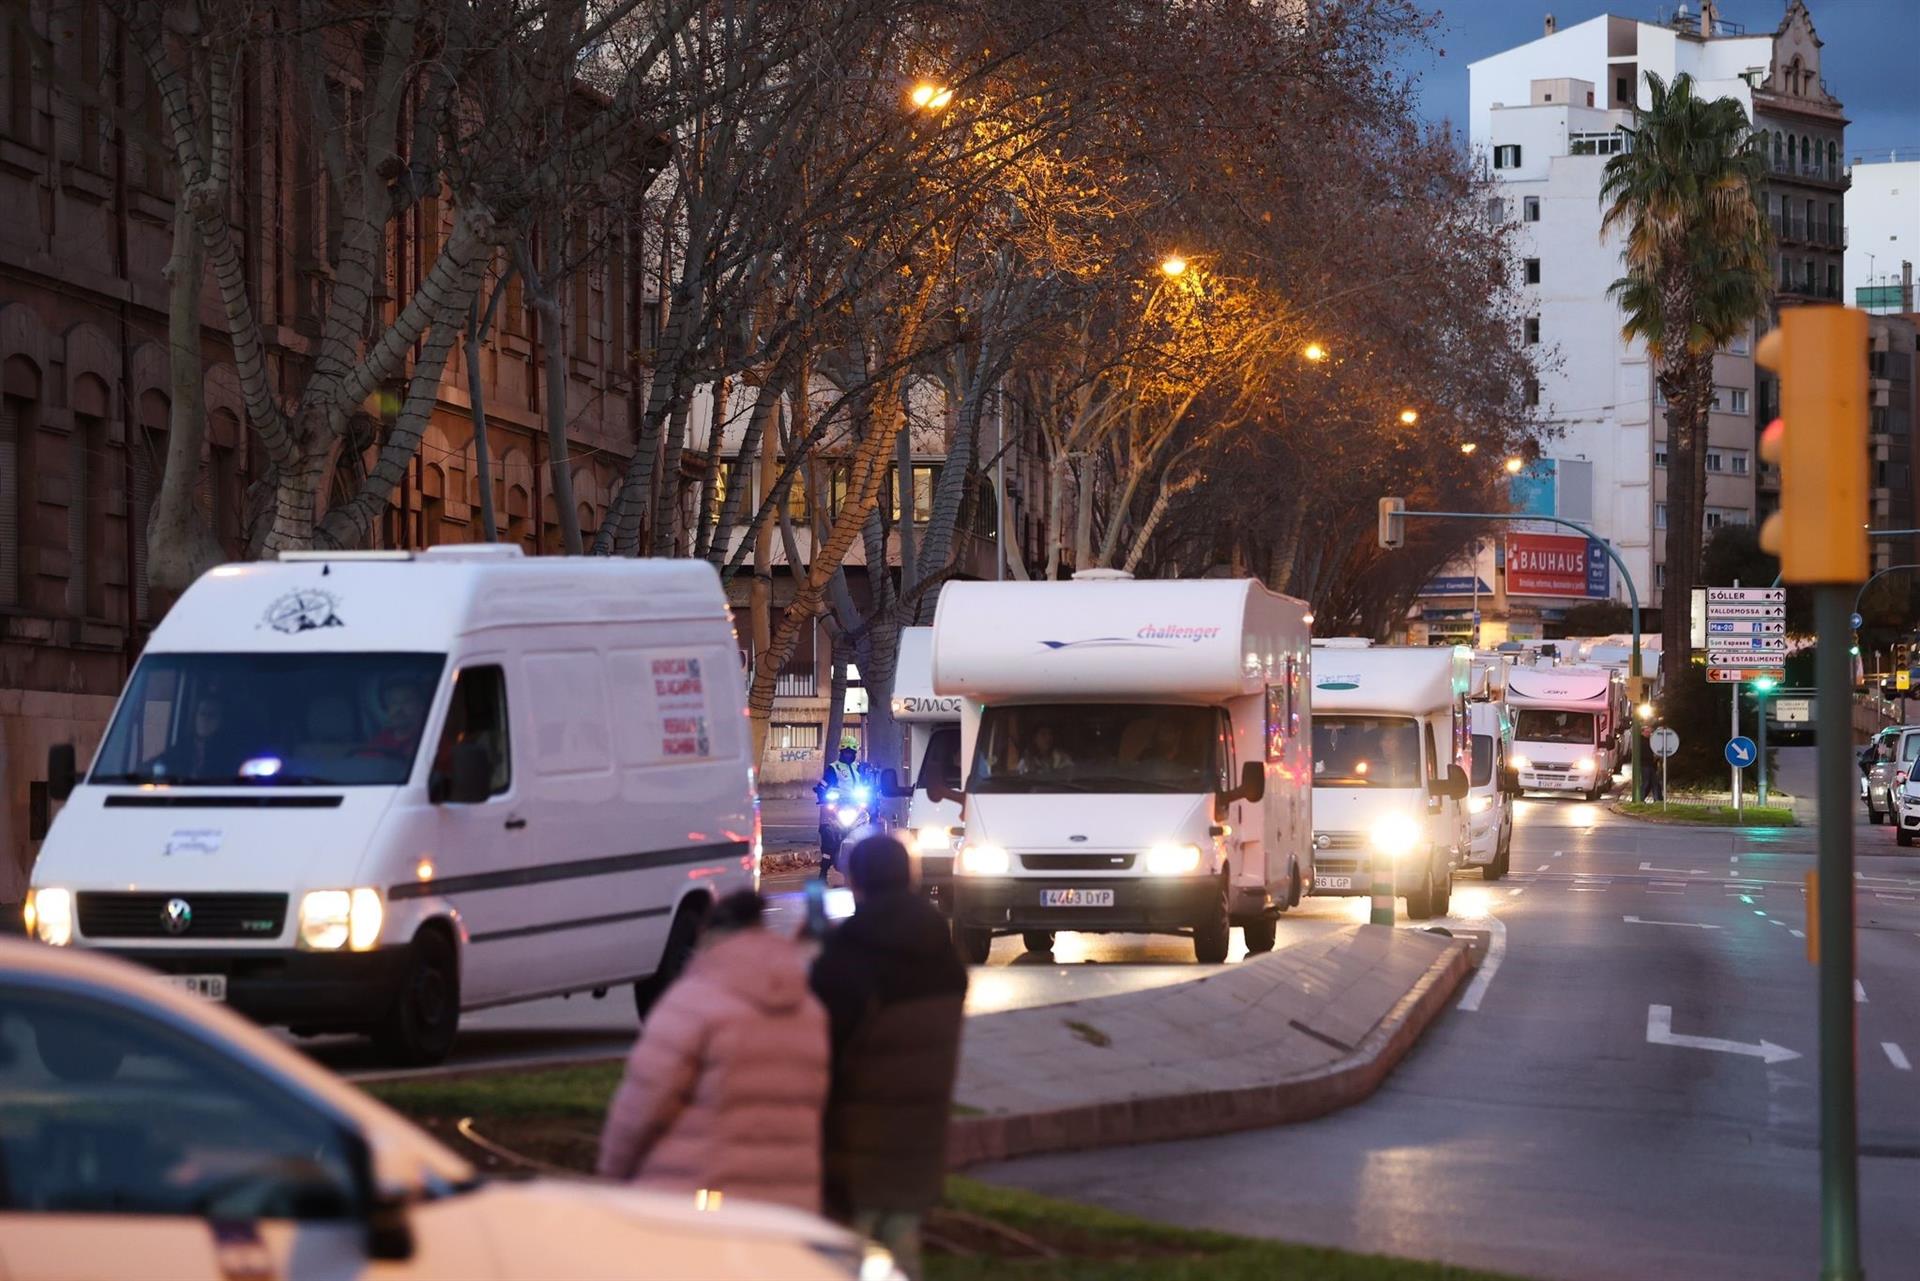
(1076, 898)
(212, 986)
(1332, 882)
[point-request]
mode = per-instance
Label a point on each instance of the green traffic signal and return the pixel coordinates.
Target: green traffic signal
(1763, 684)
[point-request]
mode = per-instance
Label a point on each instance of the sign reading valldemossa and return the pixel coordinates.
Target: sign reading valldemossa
(1556, 565)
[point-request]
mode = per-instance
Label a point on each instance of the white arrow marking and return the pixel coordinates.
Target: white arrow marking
(1674, 871)
(1496, 952)
(1691, 925)
(1740, 754)
(1660, 1032)
(1859, 993)
(1896, 1056)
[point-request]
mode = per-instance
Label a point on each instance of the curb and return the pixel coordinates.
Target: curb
(976, 1140)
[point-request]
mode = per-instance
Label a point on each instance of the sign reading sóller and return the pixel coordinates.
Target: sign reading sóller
(1547, 565)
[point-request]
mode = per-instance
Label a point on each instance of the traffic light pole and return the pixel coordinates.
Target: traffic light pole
(1633, 599)
(1839, 1131)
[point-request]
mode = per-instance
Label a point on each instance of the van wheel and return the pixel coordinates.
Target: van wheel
(1502, 859)
(1875, 817)
(974, 944)
(1420, 901)
(1443, 892)
(1260, 935)
(673, 958)
(1902, 837)
(1296, 887)
(418, 1029)
(1040, 941)
(1212, 936)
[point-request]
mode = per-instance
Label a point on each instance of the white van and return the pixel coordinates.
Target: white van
(367, 791)
(1566, 728)
(1390, 731)
(1137, 758)
(1490, 789)
(932, 784)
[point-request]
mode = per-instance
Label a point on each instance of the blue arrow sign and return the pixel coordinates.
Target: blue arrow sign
(1855, 620)
(1740, 752)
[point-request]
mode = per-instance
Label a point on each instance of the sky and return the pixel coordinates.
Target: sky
(1867, 55)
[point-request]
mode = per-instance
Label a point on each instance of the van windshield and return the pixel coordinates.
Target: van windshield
(1366, 751)
(280, 720)
(1545, 725)
(1100, 747)
(941, 762)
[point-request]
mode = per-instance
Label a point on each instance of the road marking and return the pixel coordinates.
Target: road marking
(1587, 889)
(1691, 925)
(1896, 1056)
(1496, 952)
(1558, 853)
(1516, 891)
(1660, 1032)
(1799, 934)
(1902, 898)
(1859, 993)
(1673, 871)
(1543, 867)
(1774, 920)
(1667, 887)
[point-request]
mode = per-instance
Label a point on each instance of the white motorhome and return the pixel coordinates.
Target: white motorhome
(367, 791)
(1137, 758)
(1566, 728)
(1490, 787)
(1390, 733)
(932, 784)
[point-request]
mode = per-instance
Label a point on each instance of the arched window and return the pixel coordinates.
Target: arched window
(19, 416)
(1833, 160)
(1779, 145)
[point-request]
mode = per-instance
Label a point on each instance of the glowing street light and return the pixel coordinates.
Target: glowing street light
(1468, 448)
(1173, 265)
(1513, 466)
(1314, 352)
(1408, 417)
(930, 97)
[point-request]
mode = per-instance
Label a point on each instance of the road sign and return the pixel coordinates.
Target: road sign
(1741, 644)
(1717, 612)
(1664, 742)
(1746, 626)
(1745, 596)
(1746, 658)
(1738, 675)
(1793, 711)
(1855, 622)
(1741, 752)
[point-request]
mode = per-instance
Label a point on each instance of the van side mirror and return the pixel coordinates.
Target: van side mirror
(385, 1198)
(1454, 787)
(468, 779)
(63, 771)
(890, 784)
(1253, 781)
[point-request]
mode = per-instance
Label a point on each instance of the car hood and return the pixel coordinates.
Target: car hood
(1085, 820)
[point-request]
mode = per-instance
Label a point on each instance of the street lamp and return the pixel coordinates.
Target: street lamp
(1513, 466)
(1468, 448)
(1173, 265)
(1315, 352)
(1408, 417)
(931, 97)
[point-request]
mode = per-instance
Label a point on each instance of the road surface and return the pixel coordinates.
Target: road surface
(1629, 1093)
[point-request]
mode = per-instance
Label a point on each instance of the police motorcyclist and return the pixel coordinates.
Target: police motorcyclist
(845, 773)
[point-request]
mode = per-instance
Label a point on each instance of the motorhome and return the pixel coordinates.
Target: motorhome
(1137, 758)
(1490, 782)
(932, 784)
(368, 791)
(1390, 738)
(1567, 728)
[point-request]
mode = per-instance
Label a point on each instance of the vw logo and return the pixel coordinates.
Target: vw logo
(1321, 841)
(177, 916)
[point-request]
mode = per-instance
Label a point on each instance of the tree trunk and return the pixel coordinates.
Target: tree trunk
(1683, 538)
(543, 289)
(836, 695)
(179, 545)
(756, 442)
(668, 517)
(477, 326)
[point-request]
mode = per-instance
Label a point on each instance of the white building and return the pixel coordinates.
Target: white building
(1545, 118)
(1883, 232)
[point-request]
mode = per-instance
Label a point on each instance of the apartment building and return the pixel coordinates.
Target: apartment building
(1882, 231)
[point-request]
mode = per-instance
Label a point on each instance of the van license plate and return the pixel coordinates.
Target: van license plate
(1076, 898)
(1332, 882)
(212, 986)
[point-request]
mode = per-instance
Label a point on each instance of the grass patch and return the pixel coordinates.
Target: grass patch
(577, 1092)
(993, 1232)
(1711, 815)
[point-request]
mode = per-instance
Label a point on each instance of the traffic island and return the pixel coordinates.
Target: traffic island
(1708, 814)
(1280, 1038)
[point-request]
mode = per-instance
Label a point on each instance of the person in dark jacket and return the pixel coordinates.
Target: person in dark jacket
(895, 990)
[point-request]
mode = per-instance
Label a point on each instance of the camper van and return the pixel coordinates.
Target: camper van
(1137, 756)
(368, 791)
(1390, 735)
(1567, 727)
(932, 783)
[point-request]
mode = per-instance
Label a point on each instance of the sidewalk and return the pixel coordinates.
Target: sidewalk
(1281, 1038)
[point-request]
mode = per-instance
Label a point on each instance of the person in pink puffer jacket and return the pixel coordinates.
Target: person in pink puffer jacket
(726, 1085)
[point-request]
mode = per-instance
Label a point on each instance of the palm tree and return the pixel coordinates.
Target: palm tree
(1696, 253)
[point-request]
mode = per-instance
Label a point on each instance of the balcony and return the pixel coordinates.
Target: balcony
(796, 685)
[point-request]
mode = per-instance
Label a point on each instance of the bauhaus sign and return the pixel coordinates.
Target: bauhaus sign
(1555, 565)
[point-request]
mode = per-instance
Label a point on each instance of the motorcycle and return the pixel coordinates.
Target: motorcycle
(846, 811)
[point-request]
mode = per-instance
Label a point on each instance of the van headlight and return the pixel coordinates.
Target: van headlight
(1479, 804)
(1519, 762)
(985, 860)
(333, 919)
(1173, 860)
(934, 836)
(1585, 765)
(49, 916)
(1396, 836)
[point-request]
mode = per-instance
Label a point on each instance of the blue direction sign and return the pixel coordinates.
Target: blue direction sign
(1855, 621)
(1741, 752)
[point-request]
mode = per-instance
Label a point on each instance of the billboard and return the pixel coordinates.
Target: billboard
(1554, 565)
(1531, 492)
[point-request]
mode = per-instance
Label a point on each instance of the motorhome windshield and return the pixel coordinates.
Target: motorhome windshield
(280, 720)
(1545, 725)
(1100, 747)
(1366, 751)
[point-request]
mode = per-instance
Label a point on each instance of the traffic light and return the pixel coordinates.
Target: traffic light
(1393, 525)
(1819, 442)
(1764, 685)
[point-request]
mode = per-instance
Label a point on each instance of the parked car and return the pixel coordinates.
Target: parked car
(147, 1132)
(1896, 748)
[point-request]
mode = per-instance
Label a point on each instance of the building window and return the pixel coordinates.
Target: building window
(1786, 272)
(1531, 330)
(1737, 400)
(1496, 209)
(1507, 157)
(1659, 515)
(1806, 275)
(1533, 271)
(1716, 461)
(1739, 346)
(1530, 209)
(1622, 89)
(925, 479)
(794, 736)
(1737, 464)
(1833, 280)
(1659, 575)
(15, 417)
(1530, 393)
(1660, 457)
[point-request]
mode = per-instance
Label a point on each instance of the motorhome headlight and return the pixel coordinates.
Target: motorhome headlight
(1585, 765)
(49, 916)
(985, 860)
(934, 836)
(1479, 804)
(333, 919)
(1396, 835)
(1520, 762)
(1173, 860)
